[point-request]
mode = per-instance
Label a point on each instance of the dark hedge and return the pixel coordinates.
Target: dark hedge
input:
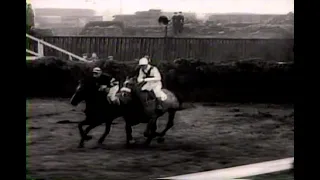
(247, 81)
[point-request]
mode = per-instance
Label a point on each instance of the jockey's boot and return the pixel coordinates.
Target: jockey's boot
(159, 104)
(117, 101)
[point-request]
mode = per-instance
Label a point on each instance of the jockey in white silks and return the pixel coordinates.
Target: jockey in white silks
(151, 75)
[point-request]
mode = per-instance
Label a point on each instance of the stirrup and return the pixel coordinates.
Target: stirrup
(159, 104)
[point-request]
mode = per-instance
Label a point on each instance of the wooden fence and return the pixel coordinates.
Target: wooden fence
(207, 49)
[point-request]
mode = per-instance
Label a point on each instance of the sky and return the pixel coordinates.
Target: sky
(198, 6)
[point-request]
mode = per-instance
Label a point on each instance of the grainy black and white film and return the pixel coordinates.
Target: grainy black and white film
(147, 89)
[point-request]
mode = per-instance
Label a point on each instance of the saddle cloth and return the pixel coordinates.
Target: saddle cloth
(150, 96)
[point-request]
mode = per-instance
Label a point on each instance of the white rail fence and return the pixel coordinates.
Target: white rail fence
(239, 171)
(40, 52)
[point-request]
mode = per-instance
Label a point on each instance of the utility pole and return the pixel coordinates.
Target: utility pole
(166, 43)
(120, 6)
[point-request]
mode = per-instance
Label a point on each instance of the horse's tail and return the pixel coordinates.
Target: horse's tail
(185, 106)
(182, 105)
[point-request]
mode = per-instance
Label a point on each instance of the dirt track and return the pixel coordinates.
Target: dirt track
(203, 138)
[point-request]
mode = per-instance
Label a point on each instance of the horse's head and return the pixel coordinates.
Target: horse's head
(130, 82)
(127, 86)
(79, 94)
(132, 88)
(131, 85)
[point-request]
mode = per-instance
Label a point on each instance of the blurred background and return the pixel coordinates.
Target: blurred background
(219, 18)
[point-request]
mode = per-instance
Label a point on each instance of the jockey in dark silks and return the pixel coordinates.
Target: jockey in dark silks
(106, 82)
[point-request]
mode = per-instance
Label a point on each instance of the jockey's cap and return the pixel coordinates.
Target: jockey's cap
(143, 61)
(96, 70)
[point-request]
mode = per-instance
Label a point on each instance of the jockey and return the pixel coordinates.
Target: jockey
(105, 83)
(137, 68)
(152, 77)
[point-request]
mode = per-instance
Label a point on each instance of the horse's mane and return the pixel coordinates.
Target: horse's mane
(134, 85)
(131, 80)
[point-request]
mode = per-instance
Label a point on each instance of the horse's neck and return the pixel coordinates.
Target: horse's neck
(136, 97)
(90, 102)
(95, 97)
(136, 93)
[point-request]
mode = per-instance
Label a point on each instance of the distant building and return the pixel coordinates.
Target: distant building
(124, 17)
(150, 17)
(240, 18)
(107, 28)
(148, 14)
(79, 21)
(64, 12)
(64, 18)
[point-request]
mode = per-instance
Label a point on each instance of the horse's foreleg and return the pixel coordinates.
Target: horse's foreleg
(129, 134)
(151, 131)
(82, 134)
(106, 132)
(170, 123)
(150, 126)
(88, 129)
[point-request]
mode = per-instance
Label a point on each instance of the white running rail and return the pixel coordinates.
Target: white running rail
(34, 53)
(41, 52)
(240, 171)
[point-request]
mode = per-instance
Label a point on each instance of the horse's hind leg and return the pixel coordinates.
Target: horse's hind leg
(106, 132)
(170, 122)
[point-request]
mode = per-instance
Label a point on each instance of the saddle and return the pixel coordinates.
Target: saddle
(148, 96)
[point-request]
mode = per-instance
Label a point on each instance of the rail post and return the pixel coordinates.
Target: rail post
(40, 49)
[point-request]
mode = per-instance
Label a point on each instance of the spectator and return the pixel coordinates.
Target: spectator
(110, 58)
(94, 57)
(85, 55)
(29, 17)
(180, 22)
(174, 21)
(148, 57)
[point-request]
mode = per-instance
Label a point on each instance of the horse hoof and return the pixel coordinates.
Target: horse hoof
(80, 146)
(100, 141)
(147, 144)
(131, 142)
(145, 134)
(160, 140)
(88, 137)
(100, 145)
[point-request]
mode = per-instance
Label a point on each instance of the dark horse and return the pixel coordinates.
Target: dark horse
(142, 105)
(136, 107)
(98, 110)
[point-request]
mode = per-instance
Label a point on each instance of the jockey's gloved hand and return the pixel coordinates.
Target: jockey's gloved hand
(103, 88)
